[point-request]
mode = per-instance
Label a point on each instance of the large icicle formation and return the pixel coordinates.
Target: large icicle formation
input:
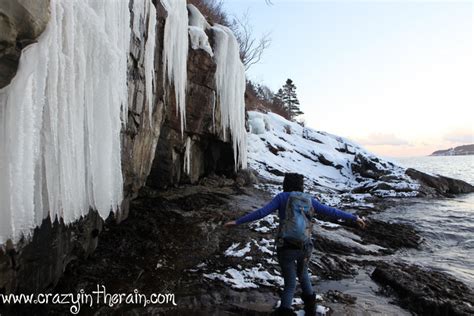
(60, 118)
(230, 80)
(175, 51)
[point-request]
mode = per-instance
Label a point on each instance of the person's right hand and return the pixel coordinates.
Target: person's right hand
(230, 224)
(360, 222)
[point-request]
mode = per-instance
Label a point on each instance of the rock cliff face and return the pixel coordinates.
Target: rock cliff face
(21, 22)
(208, 151)
(151, 143)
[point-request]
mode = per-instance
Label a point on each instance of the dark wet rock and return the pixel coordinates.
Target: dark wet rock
(33, 265)
(331, 267)
(274, 171)
(246, 177)
(166, 235)
(380, 186)
(339, 297)
(275, 150)
(330, 246)
(314, 139)
(345, 150)
(367, 167)
(392, 236)
(308, 157)
(439, 185)
(323, 160)
(424, 291)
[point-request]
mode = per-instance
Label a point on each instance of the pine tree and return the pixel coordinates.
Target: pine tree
(289, 99)
(278, 99)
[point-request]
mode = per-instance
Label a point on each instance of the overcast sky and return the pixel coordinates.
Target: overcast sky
(395, 76)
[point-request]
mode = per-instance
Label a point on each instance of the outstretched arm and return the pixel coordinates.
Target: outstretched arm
(258, 214)
(336, 213)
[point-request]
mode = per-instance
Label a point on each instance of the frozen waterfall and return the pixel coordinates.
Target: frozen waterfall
(61, 118)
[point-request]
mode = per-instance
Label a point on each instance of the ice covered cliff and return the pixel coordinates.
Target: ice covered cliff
(89, 115)
(64, 111)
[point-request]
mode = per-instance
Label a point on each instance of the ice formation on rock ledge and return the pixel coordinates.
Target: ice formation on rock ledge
(187, 156)
(197, 28)
(150, 56)
(175, 51)
(61, 119)
(230, 81)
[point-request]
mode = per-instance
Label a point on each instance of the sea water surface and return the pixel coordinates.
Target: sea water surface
(447, 225)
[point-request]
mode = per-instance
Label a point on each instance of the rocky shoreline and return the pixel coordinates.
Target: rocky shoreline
(173, 242)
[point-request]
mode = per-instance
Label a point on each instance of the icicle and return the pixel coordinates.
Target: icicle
(175, 52)
(150, 57)
(187, 156)
(61, 118)
(230, 80)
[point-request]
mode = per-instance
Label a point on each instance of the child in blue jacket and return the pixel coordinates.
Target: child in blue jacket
(294, 261)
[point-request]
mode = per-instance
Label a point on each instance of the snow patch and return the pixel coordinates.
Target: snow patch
(247, 278)
(232, 251)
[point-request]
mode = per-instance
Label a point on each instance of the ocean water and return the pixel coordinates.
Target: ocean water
(458, 167)
(446, 224)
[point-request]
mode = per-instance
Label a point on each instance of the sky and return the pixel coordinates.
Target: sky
(395, 76)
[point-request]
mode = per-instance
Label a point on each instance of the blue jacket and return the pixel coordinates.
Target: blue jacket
(279, 202)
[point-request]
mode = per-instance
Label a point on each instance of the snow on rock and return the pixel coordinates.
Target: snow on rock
(230, 81)
(175, 51)
(232, 251)
(247, 278)
(344, 237)
(197, 30)
(321, 310)
(265, 246)
(61, 118)
(266, 224)
(328, 162)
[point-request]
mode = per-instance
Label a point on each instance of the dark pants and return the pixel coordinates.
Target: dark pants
(293, 263)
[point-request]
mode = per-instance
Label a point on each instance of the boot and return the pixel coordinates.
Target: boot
(309, 304)
(283, 311)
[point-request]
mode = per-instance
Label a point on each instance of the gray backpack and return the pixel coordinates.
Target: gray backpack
(296, 228)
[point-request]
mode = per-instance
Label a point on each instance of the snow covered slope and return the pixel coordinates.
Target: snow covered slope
(330, 164)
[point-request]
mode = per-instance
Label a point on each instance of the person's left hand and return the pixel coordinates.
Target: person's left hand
(360, 222)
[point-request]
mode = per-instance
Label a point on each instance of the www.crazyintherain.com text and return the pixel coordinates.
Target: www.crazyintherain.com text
(98, 297)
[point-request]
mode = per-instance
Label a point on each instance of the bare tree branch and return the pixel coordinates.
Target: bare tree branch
(251, 48)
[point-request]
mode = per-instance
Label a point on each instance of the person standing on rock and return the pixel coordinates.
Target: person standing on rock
(294, 244)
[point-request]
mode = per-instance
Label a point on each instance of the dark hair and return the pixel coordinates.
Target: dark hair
(293, 182)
